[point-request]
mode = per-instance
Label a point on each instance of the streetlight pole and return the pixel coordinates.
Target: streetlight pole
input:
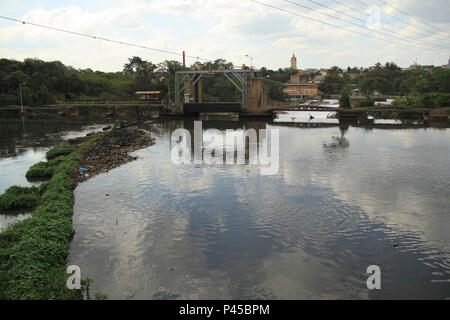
(21, 100)
(251, 61)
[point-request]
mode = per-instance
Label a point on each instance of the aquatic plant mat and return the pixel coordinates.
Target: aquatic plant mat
(33, 252)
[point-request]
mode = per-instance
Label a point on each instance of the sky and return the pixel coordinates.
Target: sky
(401, 32)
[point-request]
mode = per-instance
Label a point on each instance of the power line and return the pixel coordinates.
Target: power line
(404, 38)
(406, 13)
(101, 38)
(319, 21)
(364, 14)
(406, 22)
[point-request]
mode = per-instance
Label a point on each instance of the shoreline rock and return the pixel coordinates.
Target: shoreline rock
(112, 150)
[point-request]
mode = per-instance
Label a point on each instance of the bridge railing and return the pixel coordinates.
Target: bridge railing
(109, 102)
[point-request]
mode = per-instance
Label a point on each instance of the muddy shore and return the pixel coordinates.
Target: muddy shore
(112, 150)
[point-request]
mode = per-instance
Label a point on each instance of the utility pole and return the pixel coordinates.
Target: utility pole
(251, 61)
(21, 100)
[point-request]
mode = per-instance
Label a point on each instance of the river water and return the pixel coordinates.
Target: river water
(344, 197)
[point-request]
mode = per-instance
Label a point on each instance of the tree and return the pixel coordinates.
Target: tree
(274, 90)
(218, 64)
(423, 86)
(171, 66)
(441, 80)
(344, 101)
(334, 81)
(133, 65)
(371, 84)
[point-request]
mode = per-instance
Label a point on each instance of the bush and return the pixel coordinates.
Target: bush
(435, 100)
(43, 169)
(59, 151)
(19, 197)
(8, 99)
(430, 100)
(39, 170)
(33, 252)
(344, 101)
(367, 102)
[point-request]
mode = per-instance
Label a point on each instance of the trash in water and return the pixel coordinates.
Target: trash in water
(83, 170)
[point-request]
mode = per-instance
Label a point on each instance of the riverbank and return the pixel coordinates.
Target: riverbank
(33, 252)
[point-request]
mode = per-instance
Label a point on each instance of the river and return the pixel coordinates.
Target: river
(343, 198)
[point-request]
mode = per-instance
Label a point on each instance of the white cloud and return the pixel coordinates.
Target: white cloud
(211, 29)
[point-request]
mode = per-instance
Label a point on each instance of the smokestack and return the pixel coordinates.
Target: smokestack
(184, 60)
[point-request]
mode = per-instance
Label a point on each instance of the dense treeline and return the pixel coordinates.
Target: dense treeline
(419, 86)
(46, 82)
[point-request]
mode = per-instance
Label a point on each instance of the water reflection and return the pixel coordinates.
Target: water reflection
(310, 231)
(339, 141)
(25, 142)
(343, 195)
(9, 219)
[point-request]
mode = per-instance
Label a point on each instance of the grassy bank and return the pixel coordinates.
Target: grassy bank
(33, 252)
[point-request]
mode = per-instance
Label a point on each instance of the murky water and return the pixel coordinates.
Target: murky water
(25, 142)
(342, 197)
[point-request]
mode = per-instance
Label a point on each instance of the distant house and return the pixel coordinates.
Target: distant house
(302, 84)
(415, 66)
(376, 93)
(319, 78)
(297, 91)
(355, 92)
(148, 95)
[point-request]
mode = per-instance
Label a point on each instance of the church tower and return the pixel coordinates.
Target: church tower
(293, 62)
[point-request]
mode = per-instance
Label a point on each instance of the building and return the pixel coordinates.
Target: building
(299, 91)
(415, 66)
(303, 84)
(148, 95)
(293, 62)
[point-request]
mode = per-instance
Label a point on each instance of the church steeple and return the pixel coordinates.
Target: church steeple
(293, 62)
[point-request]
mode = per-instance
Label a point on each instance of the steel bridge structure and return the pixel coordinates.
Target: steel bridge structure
(186, 83)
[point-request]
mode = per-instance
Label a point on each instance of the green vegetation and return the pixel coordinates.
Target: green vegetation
(366, 102)
(421, 87)
(33, 251)
(48, 82)
(334, 81)
(45, 169)
(19, 198)
(274, 90)
(39, 170)
(59, 151)
(280, 75)
(427, 100)
(344, 101)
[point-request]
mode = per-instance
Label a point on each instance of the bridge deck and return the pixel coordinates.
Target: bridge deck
(203, 107)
